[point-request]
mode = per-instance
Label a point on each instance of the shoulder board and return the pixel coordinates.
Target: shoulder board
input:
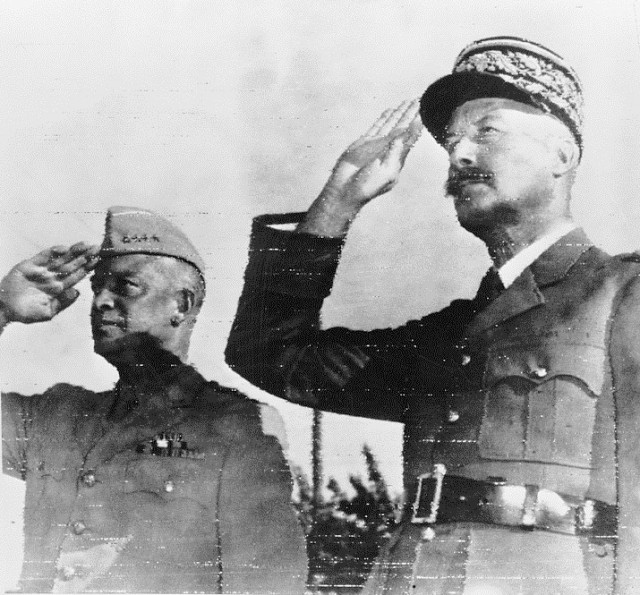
(631, 257)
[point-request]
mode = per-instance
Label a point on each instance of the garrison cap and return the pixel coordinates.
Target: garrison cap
(130, 230)
(507, 67)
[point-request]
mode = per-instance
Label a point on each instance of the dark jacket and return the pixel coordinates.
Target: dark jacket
(537, 384)
(110, 508)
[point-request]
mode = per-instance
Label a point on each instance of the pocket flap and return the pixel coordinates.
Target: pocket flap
(544, 361)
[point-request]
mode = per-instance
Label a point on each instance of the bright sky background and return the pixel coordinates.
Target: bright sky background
(212, 112)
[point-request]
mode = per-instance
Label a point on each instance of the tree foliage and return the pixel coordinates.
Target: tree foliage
(344, 534)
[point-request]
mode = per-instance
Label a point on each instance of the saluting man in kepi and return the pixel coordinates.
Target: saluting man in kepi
(521, 406)
(108, 507)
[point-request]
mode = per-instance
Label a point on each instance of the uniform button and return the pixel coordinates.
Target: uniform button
(453, 416)
(539, 372)
(78, 527)
(67, 573)
(466, 359)
(427, 534)
(88, 478)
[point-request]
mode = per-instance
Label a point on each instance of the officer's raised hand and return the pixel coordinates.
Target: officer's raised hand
(40, 287)
(368, 168)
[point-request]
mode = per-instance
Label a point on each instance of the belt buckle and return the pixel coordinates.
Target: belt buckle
(428, 496)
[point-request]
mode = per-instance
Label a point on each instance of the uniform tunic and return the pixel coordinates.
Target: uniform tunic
(537, 384)
(183, 491)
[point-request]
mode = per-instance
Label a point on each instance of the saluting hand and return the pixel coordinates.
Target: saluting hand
(371, 165)
(368, 168)
(40, 287)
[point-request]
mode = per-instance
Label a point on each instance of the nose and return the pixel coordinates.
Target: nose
(103, 300)
(463, 153)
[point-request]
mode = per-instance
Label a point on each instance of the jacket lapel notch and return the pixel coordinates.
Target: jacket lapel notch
(554, 264)
(520, 297)
(550, 267)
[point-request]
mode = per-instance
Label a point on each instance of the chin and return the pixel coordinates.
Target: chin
(481, 221)
(115, 351)
(132, 348)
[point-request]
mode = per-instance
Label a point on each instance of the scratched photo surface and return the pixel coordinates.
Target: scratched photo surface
(213, 112)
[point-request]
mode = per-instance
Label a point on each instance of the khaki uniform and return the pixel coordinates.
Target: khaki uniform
(536, 386)
(186, 492)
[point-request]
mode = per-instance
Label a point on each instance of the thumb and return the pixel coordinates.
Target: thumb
(65, 299)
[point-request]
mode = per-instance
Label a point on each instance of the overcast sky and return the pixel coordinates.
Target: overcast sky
(213, 112)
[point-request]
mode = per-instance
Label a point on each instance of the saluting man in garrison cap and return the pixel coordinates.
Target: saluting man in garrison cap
(521, 406)
(168, 483)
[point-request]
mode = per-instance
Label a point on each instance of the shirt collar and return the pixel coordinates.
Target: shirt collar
(514, 267)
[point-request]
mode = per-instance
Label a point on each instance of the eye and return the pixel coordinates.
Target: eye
(127, 287)
(450, 142)
(487, 132)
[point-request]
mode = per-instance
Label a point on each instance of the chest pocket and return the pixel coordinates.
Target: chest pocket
(540, 403)
(170, 478)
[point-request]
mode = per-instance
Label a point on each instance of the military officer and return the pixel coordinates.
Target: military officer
(167, 483)
(520, 406)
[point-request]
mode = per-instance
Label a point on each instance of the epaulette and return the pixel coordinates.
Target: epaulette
(214, 394)
(630, 257)
(214, 385)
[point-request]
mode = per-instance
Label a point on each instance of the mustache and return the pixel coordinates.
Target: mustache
(458, 177)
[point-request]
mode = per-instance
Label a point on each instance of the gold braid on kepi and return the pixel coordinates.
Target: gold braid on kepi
(131, 230)
(507, 67)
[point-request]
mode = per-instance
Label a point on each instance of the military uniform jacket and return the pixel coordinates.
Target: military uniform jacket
(538, 384)
(183, 493)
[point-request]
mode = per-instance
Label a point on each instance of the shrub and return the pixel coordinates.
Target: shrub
(344, 534)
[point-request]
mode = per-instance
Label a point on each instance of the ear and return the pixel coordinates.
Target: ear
(567, 156)
(185, 300)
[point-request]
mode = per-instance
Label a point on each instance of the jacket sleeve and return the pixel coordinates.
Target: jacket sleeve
(277, 344)
(262, 541)
(17, 413)
(625, 362)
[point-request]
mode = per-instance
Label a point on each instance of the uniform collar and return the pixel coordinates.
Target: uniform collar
(166, 382)
(165, 407)
(513, 268)
(554, 264)
(496, 305)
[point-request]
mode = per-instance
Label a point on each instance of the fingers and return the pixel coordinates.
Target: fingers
(70, 279)
(388, 120)
(61, 260)
(396, 117)
(85, 260)
(76, 254)
(415, 129)
(46, 256)
(410, 113)
(65, 299)
(378, 124)
(396, 152)
(57, 256)
(396, 121)
(59, 268)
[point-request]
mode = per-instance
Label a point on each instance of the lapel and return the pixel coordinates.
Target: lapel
(525, 293)
(166, 407)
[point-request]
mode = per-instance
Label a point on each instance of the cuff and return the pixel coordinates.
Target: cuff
(291, 263)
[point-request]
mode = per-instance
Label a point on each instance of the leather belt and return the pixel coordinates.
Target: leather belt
(443, 498)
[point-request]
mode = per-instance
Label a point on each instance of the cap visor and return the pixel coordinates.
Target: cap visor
(442, 98)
